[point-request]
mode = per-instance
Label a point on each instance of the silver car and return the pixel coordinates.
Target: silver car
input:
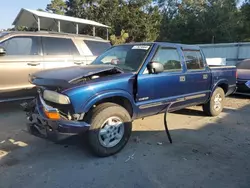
(23, 53)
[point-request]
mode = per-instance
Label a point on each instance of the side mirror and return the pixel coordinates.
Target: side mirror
(2, 51)
(155, 67)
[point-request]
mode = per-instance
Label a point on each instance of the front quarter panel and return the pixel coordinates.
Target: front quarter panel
(85, 96)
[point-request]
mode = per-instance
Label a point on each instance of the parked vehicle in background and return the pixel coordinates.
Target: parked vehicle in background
(125, 83)
(23, 53)
(243, 77)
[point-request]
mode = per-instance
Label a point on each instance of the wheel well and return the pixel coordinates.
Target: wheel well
(224, 87)
(122, 101)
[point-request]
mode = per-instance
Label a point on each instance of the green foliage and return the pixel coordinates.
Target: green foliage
(119, 39)
(140, 19)
(201, 21)
(21, 28)
(57, 7)
(245, 21)
(185, 21)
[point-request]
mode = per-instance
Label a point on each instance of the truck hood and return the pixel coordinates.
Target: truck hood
(243, 74)
(68, 76)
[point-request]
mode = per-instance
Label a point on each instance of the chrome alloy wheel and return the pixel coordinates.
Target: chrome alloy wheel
(217, 102)
(111, 132)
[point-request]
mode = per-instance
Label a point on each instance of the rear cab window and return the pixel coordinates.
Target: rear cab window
(58, 46)
(97, 47)
(194, 60)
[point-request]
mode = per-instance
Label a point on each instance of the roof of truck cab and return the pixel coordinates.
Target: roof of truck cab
(177, 45)
(184, 46)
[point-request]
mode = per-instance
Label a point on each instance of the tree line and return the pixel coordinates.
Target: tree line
(182, 21)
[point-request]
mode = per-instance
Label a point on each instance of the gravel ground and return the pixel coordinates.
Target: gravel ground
(206, 152)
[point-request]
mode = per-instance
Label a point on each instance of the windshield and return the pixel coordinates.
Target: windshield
(127, 57)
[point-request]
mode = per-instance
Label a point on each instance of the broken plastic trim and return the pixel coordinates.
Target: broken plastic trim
(96, 75)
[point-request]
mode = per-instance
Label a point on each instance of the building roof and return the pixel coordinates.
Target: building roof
(49, 21)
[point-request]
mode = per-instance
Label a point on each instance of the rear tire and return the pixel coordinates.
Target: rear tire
(110, 129)
(216, 103)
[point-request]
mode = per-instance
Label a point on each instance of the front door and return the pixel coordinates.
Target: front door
(21, 59)
(156, 90)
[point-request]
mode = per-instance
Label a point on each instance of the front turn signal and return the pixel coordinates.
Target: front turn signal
(53, 115)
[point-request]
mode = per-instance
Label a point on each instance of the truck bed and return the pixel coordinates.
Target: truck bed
(222, 73)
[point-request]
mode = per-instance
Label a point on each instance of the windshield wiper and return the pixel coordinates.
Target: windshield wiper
(119, 69)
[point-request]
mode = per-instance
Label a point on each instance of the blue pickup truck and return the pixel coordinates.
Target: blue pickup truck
(125, 83)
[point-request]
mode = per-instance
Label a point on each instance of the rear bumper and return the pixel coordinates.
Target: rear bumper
(39, 124)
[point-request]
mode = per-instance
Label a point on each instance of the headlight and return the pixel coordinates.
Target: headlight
(55, 97)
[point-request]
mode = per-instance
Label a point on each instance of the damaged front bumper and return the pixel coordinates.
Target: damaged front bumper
(39, 124)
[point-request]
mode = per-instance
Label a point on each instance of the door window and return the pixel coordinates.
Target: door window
(21, 46)
(96, 47)
(58, 46)
(194, 60)
(169, 58)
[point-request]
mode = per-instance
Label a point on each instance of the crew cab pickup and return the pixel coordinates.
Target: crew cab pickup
(125, 83)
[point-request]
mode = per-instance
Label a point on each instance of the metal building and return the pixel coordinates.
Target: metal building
(54, 22)
(233, 52)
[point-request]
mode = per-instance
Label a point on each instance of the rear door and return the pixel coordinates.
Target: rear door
(58, 52)
(198, 75)
(22, 58)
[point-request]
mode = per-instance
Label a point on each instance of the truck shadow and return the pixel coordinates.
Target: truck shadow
(10, 107)
(220, 142)
(236, 96)
(190, 112)
(197, 111)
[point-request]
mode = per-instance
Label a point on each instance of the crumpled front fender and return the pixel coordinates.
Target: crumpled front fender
(108, 94)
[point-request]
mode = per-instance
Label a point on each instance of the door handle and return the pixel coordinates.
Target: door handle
(205, 76)
(182, 78)
(33, 64)
(78, 63)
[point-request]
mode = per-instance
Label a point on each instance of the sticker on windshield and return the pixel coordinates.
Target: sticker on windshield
(141, 47)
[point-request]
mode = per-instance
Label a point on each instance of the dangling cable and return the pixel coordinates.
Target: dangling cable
(166, 124)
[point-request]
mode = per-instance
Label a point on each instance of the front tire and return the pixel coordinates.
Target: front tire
(110, 129)
(216, 103)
